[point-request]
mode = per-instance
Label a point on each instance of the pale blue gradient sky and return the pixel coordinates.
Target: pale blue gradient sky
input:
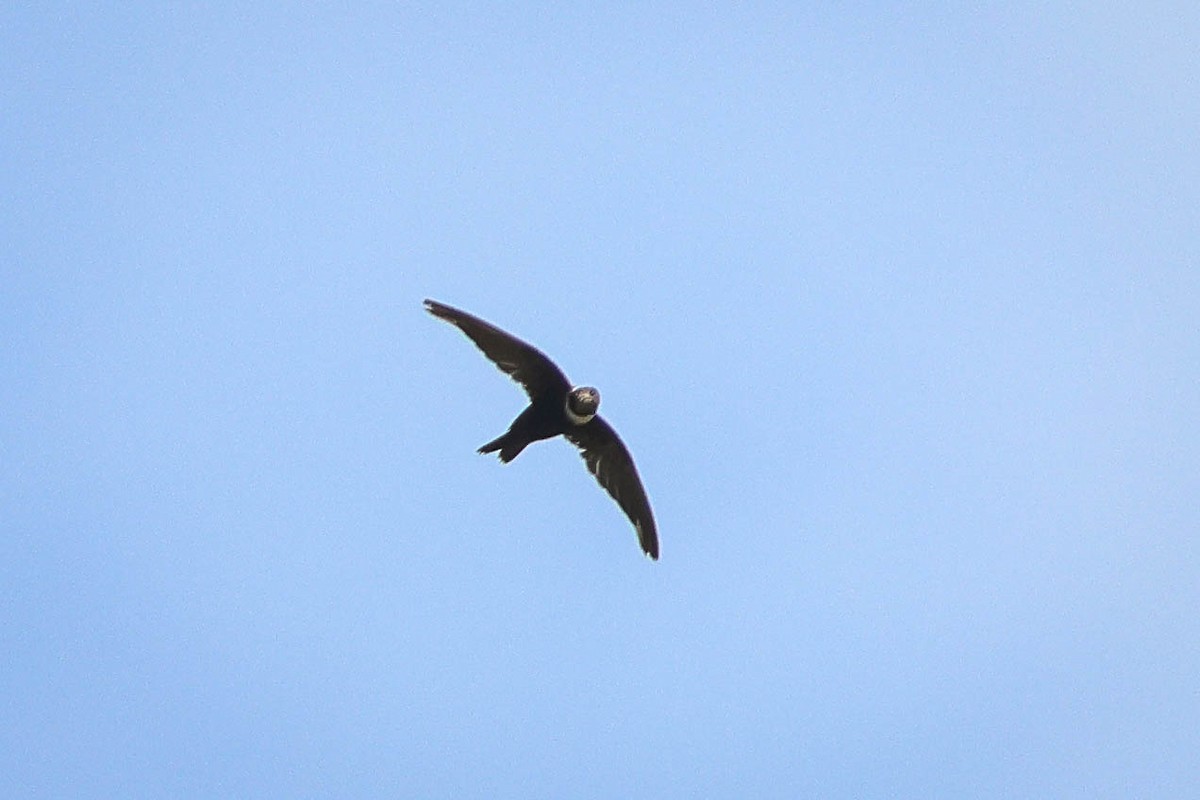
(897, 309)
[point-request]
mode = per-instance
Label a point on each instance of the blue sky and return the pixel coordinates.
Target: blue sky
(896, 308)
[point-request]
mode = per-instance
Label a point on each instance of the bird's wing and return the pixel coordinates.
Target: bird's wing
(608, 459)
(523, 362)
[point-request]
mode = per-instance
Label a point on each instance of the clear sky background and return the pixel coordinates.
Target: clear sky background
(897, 310)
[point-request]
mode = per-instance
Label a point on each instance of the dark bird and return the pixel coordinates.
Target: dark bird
(555, 408)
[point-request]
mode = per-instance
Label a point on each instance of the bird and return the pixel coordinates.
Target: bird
(557, 408)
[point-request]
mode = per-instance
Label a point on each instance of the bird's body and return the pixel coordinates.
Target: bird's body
(556, 409)
(540, 420)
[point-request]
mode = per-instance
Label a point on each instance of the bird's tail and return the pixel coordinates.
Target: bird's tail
(508, 446)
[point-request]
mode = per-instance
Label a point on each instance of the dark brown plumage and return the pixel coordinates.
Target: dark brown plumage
(557, 409)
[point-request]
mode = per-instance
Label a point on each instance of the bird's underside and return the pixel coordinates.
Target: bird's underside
(557, 409)
(529, 427)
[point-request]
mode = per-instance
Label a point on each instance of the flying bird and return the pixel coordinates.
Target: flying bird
(555, 408)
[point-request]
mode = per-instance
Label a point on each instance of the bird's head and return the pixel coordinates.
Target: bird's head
(582, 403)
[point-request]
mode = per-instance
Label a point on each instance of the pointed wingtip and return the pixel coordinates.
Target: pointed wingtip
(649, 546)
(440, 310)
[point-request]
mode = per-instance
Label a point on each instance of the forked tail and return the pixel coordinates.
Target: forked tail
(508, 445)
